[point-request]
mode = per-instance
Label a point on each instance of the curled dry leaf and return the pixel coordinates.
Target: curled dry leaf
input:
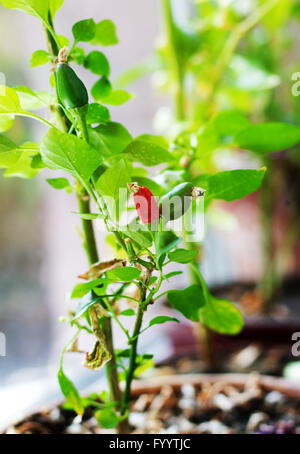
(99, 356)
(99, 268)
(74, 348)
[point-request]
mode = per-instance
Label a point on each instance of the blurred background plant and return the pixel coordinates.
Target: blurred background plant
(240, 55)
(223, 64)
(235, 56)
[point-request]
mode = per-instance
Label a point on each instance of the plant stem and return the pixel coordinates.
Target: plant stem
(133, 353)
(233, 41)
(35, 117)
(70, 342)
(112, 375)
(90, 246)
(51, 33)
(176, 63)
(111, 365)
(268, 285)
(89, 235)
(202, 333)
(52, 43)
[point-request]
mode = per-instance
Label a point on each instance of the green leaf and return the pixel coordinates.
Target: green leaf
(70, 392)
(6, 122)
(221, 316)
(84, 30)
(97, 63)
(31, 100)
(152, 280)
(10, 106)
(37, 162)
(114, 179)
(101, 89)
(39, 58)
(22, 168)
(89, 216)
(116, 97)
(55, 5)
(9, 102)
(142, 366)
(126, 274)
(228, 124)
(37, 8)
(135, 73)
(128, 313)
(6, 144)
(187, 301)
(162, 319)
(182, 256)
(148, 356)
(60, 183)
(78, 55)
(164, 243)
(139, 236)
(234, 184)
(81, 290)
(154, 187)
(207, 139)
(62, 151)
(97, 114)
(107, 418)
(149, 150)
(9, 152)
(269, 137)
(172, 274)
(247, 75)
(106, 33)
(123, 353)
(186, 42)
(63, 41)
(279, 15)
(85, 303)
(110, 139)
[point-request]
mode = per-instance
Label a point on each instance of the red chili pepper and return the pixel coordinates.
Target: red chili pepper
(145, 203)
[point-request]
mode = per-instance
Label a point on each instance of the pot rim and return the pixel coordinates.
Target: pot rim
(267, 382)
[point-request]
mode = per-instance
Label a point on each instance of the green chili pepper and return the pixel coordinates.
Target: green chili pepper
(175, 203)
(71, 90)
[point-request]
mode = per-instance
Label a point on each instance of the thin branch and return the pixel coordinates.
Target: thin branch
(35, 117)
(233, 41)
